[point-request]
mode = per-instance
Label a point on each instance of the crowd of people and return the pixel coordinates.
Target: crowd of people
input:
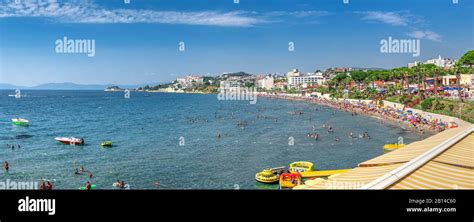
(405, 116)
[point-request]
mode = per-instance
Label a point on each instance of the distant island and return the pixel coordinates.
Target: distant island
(68, 86)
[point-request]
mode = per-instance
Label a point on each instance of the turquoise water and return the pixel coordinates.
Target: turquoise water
(146, 131)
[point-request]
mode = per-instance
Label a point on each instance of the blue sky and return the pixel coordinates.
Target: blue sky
(138, 42)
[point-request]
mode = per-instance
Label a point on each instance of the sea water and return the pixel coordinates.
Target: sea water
(177, 141)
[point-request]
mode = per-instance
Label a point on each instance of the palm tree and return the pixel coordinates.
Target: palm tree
(457, 71)
(431, 70)
(418, 77)
(435, 85)
(397, 73)
(407, 74)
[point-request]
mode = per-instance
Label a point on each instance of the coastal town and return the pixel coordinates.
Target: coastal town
(359, 107)
(435, 96)
(440, 85)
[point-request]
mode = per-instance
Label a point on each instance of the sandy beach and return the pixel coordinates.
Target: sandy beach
(378, 113)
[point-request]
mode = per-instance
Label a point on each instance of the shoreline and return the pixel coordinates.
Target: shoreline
(382, 119)
(341, 104)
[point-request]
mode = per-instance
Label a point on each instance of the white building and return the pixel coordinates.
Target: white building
(190, 81)
(293, 73)
(413, 64)
(441, 62)
(229, 84)
(315, 78)
(266, 82)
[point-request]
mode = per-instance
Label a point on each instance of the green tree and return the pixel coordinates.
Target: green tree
(467, 59)
(359, 77)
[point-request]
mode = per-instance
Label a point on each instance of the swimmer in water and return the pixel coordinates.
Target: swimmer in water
(6, 166)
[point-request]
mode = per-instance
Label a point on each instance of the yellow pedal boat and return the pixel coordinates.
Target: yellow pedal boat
(301, 166)
(267, 176)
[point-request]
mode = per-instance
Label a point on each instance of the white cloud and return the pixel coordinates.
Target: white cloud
(91, 13)
(430, 35)
(402, 18)
(86, 12)
(391, 18)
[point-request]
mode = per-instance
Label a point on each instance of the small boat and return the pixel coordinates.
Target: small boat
(20, 122)
(106, 143)
(290, 180)
(70, 140)
(266, 176)
(301, 166)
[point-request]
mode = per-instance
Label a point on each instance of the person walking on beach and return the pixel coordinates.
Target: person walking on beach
(6, 166)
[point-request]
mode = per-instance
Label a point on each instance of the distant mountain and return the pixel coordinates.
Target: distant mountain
(71, 86)
(240, 74)
(10, 86)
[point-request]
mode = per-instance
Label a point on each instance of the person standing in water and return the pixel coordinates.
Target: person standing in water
(50, 185)
(88, 185)
(6, 166)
